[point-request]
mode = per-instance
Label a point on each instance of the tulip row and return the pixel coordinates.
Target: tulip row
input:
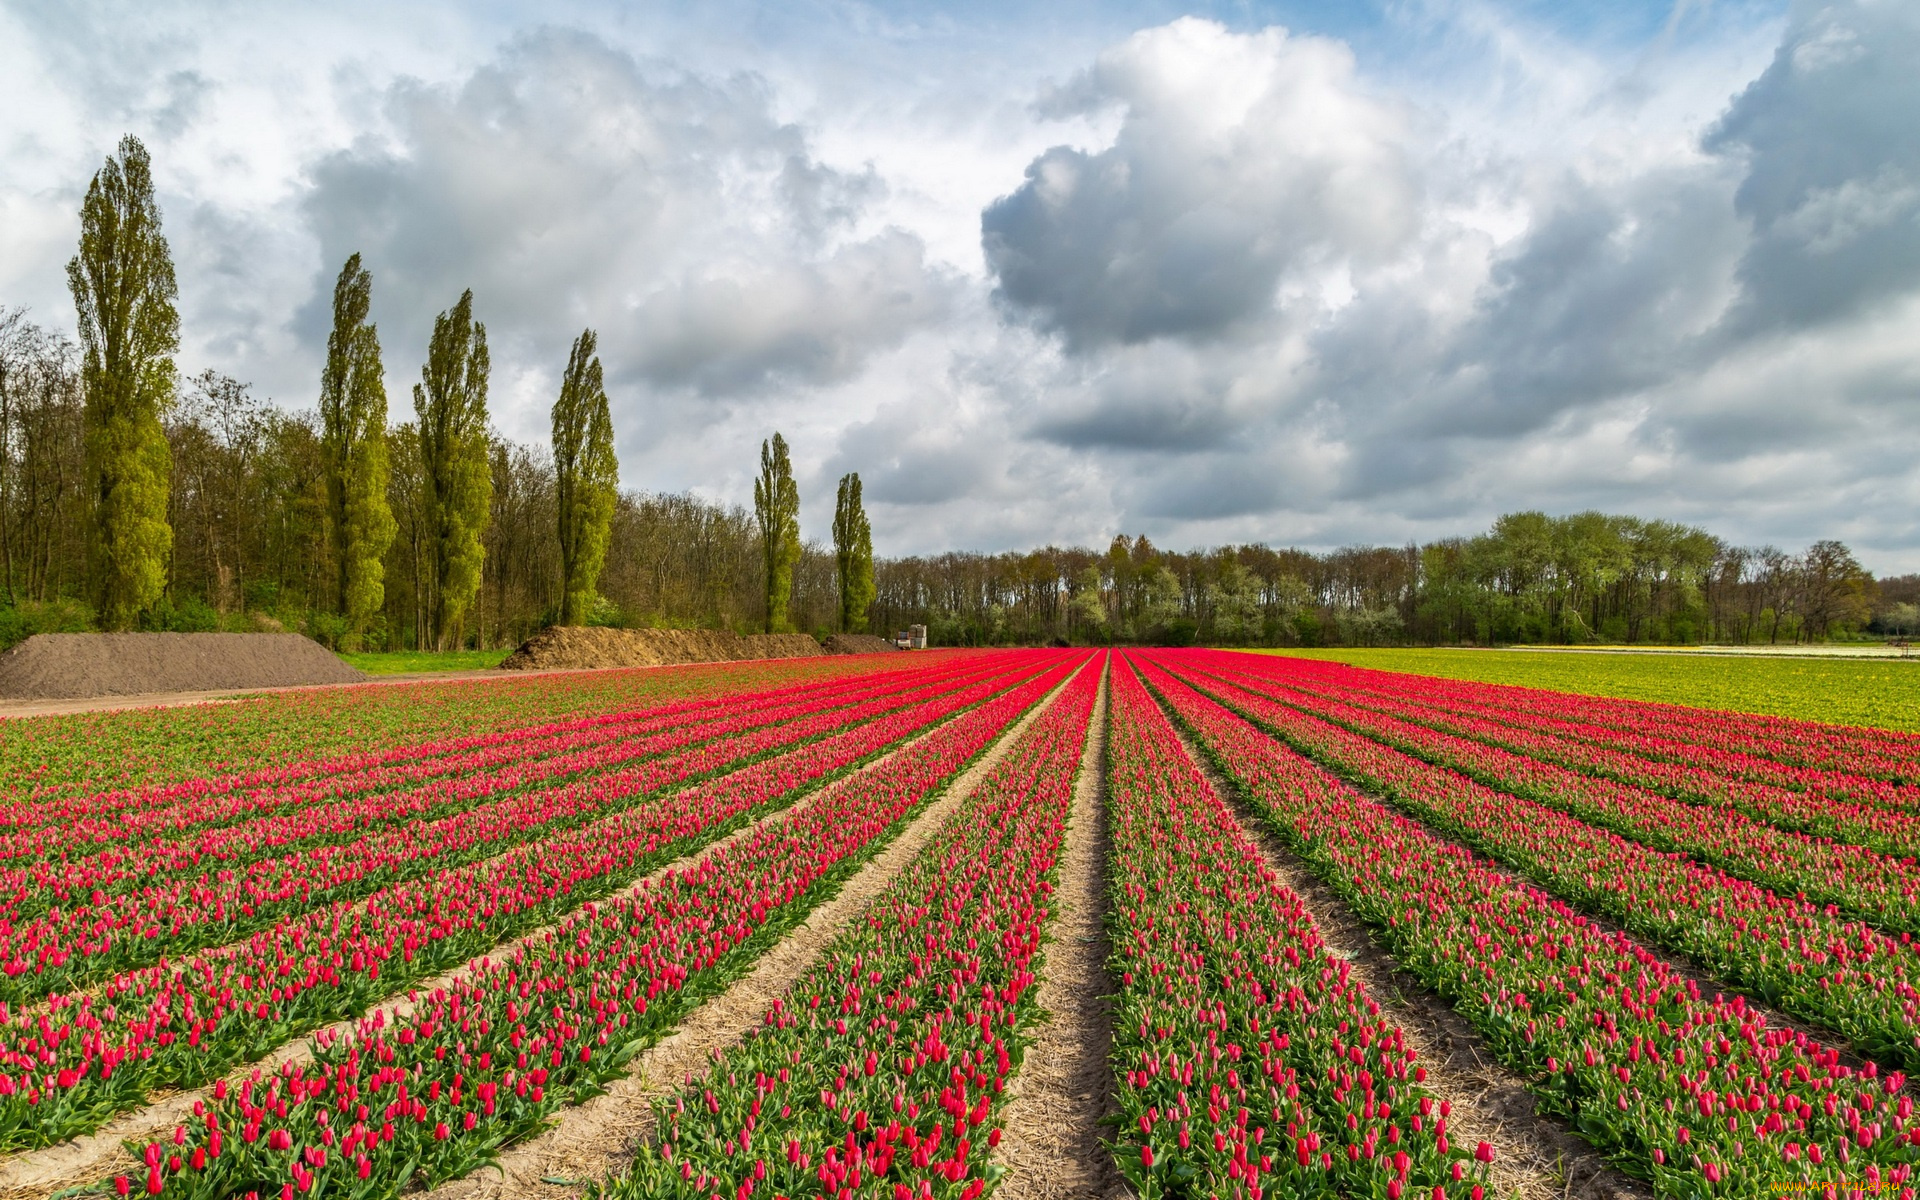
(1774, 748)
(435, 1093)
(1886, 754)
(80, 824)
(50, 759)
(1879, 888)
(64, 1070)
(882, 1069)
(1251, 1061)
(1701, 1094)
(1807, 960)
(77, 884)
(1883, 822)
(68, 947)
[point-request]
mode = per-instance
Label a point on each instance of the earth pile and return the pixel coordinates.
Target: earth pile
(859, 643)
(68, 666)
(565, 647)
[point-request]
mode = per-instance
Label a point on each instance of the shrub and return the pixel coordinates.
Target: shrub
(20, 622)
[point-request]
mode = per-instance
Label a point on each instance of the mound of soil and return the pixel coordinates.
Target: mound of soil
(576, 648)
(860, 643)
(780, 645)
(65, 666)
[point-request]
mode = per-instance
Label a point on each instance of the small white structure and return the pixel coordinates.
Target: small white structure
(913, 637)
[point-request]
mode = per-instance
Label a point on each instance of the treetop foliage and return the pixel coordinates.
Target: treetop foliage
(776, 509)
(586, 477)
(123, 294)
(853, 554)
(353, 438)
(450, 404)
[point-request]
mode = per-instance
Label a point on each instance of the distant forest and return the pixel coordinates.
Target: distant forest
(252, 549)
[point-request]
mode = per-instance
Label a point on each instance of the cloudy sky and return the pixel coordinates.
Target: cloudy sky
(1311, 272)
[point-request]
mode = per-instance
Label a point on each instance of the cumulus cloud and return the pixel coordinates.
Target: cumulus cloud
(1158, 399)
(1609, 292)
(811, 320)
(907, 462)
(1832, 155)
(570, 184)
(1244, 163)
(943, 468)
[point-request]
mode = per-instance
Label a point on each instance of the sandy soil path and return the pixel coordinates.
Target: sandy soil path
(1054, 1141)
(10, 709)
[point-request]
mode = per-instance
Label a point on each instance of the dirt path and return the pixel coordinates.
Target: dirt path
(597, 1138)
(1536, 1157)
(87, 704)
(1053, 1146)
(12, 708)
(98, 1155)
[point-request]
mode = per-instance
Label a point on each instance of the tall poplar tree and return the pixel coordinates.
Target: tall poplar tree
(776, 507)
(450, 403)
(353, 420)
(853, 555)
(123, 290)
(586, 478)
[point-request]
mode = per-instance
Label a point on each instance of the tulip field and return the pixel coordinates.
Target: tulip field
(436, 952)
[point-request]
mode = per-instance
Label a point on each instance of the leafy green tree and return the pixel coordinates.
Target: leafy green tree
(776, 509)
(353, 437)
(1088, 607)
(1162, 598)
(450, 403)
(1286, 598)
(853, 554)
(124, 291)
(1836, 590)
(1235, 600)
(586, 478)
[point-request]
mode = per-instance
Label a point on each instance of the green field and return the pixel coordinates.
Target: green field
(401, 662)
(1879, 692)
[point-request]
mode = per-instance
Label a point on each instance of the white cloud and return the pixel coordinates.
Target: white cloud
(1245, 163)
(569, 184)
(810, 321)
(1830, 219)
(1832, 158)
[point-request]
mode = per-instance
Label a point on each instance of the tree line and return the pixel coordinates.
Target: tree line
(1532, 578)
(133, 498)
(129, 502)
